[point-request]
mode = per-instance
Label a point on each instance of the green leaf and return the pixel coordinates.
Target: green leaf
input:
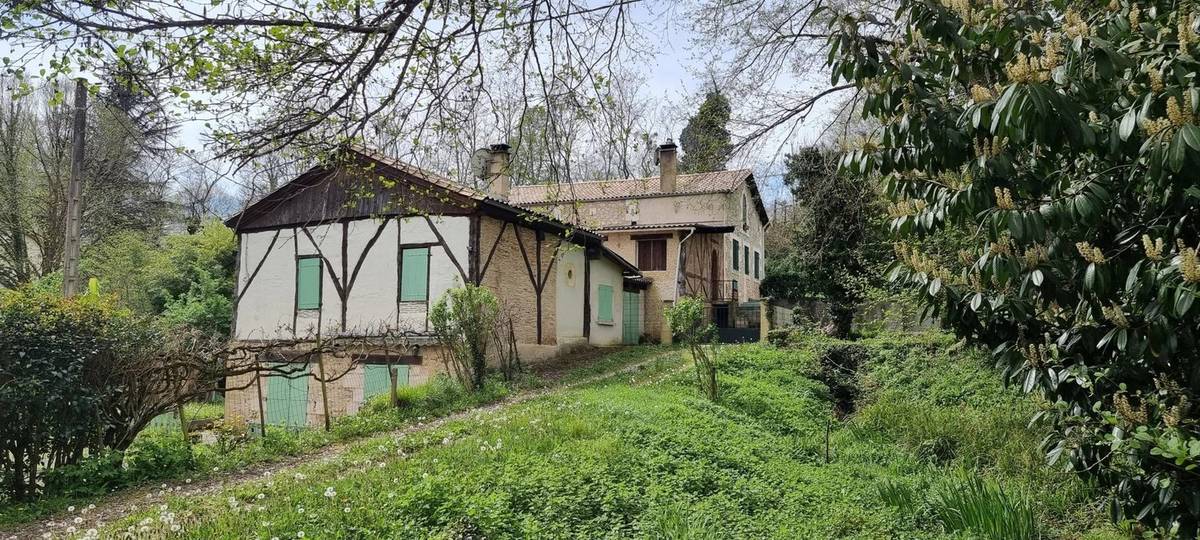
(1183, 301)
(1089, 277)
(1128, 122)
(1176, 153)
(1191, 136)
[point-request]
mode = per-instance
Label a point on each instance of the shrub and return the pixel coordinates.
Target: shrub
(1065, 157)
(77, 377)
(463, 320)
(689, 324)
(95, 475)
(161, 454)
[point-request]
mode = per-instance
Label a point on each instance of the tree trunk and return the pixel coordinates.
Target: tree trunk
(843, 320)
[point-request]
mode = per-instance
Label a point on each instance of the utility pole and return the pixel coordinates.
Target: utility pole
(74, 193)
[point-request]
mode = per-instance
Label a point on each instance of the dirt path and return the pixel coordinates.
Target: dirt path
(123, 503)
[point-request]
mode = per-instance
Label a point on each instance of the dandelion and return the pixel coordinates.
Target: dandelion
(175, 527)
(346, 510)
(260, 496)
(70, 508)
(330, 493)
(300, 534)
(77, 520)
(299, 509)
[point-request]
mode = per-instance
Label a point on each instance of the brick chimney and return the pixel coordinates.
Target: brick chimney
(668, 164)
(499, 182)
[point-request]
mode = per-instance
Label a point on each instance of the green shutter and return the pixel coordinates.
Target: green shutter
(629, 318)
(606, 298)
(746, 257)
(736, 249)
(308, 283)
(756, 265)
(377, 380)
(414, 275)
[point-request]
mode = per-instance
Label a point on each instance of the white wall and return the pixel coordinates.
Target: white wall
(569, 294)
(606, 272)
(267, 306)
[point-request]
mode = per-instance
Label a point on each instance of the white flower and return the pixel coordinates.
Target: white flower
(70, 508)
(188, 481)
(260, 496)
(329, 492)
(346, 510)
(91, 507)
(70, 530)
(77, 520)
(175, 527)
(300, 534)
(299, 476)
(300, 510)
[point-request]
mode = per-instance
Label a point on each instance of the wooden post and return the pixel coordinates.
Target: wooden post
(324, 390)
(182, 421)
(393, 376)
(74, 194)
(262, 414)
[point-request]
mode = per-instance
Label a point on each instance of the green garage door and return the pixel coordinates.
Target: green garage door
(376, 380)
(287, 398)
(631, 319)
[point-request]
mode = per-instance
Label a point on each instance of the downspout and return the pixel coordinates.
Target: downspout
(680, 264)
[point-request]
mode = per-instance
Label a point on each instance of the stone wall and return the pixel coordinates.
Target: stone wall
(508, 276)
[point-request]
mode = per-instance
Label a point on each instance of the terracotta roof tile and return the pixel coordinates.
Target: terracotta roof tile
(686, 184)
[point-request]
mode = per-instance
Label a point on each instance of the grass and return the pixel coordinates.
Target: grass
(653, 460)
(421, 403)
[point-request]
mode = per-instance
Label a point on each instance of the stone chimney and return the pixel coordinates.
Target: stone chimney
(499, 181)
(668, 164)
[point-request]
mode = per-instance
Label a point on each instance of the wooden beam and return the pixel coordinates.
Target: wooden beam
(446, 248)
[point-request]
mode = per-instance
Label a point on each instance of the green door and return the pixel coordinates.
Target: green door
(287, 398)
(376, 380)
(631, 321)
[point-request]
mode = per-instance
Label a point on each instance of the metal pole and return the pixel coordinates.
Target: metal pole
(74, 194)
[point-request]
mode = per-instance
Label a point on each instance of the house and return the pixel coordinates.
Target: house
(690, 234)
(363, 245)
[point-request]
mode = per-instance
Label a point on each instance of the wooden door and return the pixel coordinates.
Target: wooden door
(287, 398)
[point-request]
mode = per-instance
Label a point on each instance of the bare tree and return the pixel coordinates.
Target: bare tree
(14, 262)
(316, 75)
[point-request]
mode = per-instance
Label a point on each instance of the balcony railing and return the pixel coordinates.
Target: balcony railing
(723, 291)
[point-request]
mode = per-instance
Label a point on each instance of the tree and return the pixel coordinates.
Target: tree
(837, 239)
(464, 320)
(689, 323)
(276, 75)
(705, 138)
(1061, 140)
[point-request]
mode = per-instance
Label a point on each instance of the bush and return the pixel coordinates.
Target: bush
(78, 377)
(159, 455)
(966, 502)
(688, 322)
(463, 320)
(95, 475)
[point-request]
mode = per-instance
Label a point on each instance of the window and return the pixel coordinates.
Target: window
(746, 257)
(308, 283)
(652, 254)
(736, 250)
(414, 275)
(735, 295)
(756, 264)
(744, 222)
(605, 294)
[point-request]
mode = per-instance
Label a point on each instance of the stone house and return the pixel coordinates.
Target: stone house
(690, 234)
(362, 246)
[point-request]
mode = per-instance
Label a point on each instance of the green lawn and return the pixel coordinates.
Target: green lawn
(935, 447)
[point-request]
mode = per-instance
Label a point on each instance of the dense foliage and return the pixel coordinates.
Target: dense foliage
(644, 457)
(1061, 138)
(837, 240)
(463, 320)
(77, 377)
(705, 139)
(187, 279)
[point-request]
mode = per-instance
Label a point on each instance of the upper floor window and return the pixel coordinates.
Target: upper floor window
(744, 222)
(736, 251)
(757, 263)
(746, 257)
(652, 254)
(414, 274)
(308, 282)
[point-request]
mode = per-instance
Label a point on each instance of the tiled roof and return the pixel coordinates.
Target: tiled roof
(700, 227)
(686, 184)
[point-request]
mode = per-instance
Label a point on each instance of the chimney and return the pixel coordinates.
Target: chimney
(668, 163)
(499, 182)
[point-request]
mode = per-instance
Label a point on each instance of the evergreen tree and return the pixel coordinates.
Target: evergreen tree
(705, 140)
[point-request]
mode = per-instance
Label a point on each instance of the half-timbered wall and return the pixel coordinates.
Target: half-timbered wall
(518, 264)
(360, 275)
